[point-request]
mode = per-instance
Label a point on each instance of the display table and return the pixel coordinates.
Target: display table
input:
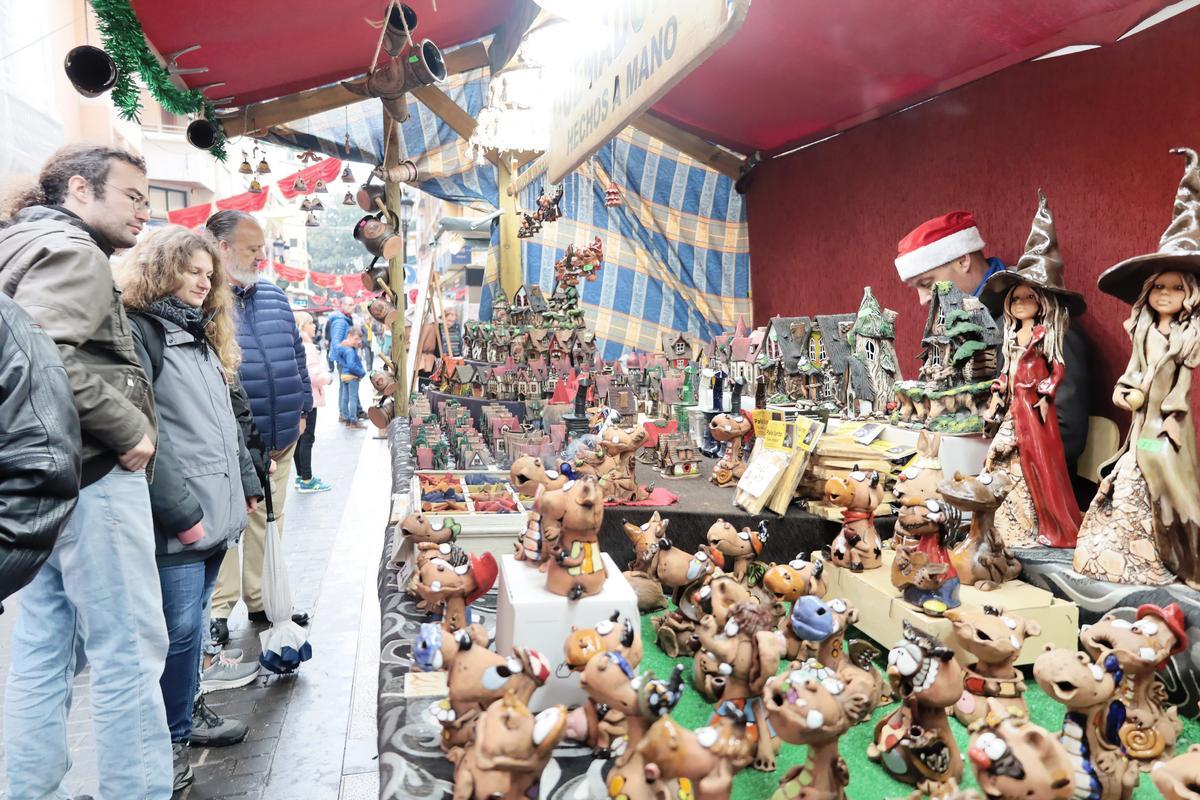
(884, 611)
(474, 405)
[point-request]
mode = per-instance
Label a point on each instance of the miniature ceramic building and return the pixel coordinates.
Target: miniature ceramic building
(874, 368)
(679, 350)
(678, 456)
(500, 309)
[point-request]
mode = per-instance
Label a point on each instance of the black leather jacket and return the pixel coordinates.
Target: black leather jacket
(39, 447)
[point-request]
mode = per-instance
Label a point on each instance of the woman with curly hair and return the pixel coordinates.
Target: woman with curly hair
(203, 483)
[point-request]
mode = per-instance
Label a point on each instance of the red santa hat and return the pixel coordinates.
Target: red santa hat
(936, 242)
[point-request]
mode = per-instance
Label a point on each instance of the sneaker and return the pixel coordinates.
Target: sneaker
(210, 730)
(183, 766)
(313, 485)
(227, 674)
(218, 631)
(355, 425)
(258, 617)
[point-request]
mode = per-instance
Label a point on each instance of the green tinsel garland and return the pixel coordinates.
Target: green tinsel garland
(126, 43)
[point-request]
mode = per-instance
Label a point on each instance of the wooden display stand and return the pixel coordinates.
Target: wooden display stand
(529, 616)
(882, 611)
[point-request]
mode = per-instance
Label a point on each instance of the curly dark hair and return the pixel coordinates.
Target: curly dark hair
(91, 162)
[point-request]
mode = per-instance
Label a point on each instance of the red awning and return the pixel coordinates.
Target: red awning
(798, 70)
(325, 170)
(191, 216)
(246, 201)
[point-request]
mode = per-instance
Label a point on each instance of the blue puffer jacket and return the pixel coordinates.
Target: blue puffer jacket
(274, 369)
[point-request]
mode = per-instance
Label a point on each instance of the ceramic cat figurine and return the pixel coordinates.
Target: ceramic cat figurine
(738, 547)
(857, 545)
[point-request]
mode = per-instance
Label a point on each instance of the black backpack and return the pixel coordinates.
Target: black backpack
(154, 339)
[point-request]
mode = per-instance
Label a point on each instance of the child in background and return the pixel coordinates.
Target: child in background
(352, 371)
(320, 378)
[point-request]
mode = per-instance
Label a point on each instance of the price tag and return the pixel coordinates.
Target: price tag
(1151, 445)
(760, 418)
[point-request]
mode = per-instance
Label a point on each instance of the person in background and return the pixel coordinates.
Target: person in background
(39, 440)
(455, 329)
(366, 338)
(340, 321)
(950, 248)
(351, 370)
(99, 587)
(180, 305)
(274, 373)
(320, 378)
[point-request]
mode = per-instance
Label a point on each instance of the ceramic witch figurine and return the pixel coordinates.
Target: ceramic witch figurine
(1037, 308)
(1144, 524)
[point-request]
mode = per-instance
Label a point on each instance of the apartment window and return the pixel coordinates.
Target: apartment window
(163, 200)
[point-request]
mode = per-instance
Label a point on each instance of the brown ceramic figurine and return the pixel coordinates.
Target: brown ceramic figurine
(1179, 778)
(992, 682)
(738, 547)
(914, 742)
(612, 635)
(454, 581)
(733, 429)
(922, 569)
(429, 540)
(1014, 758)
(733, 665)
(920, 479)
(1151, 727)
(639, 701)
(477, 677)
(809, 705)
(980, 558)
(511, 750)
(786, 582)
(620, 482)
(645, 539)
(1143, 526)
(571, 519)
(857, 544)
(1037, 308)
(718, 597)
(684, 574)
(704, 758)
(527, 473)
(1090, 728)
(816, 629)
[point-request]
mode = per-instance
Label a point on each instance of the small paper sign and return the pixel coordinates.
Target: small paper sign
(1151, 445)
(760, 417)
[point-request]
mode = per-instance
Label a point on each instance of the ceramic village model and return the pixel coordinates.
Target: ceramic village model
(455, 580)
(733, 430)
(1012, 757)
(1151, 727)
(1092, 721)
(914, 742)
(1036, 308)
(570, 519)
(992, 682)
(1143, 526)
(857, 545)
(980, 557)
(511, 749)
(922, 569)
(738, 548)
(734, 663)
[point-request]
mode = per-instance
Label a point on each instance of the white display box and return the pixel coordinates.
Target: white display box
(964, 452)
(482, 532)
(529, 616)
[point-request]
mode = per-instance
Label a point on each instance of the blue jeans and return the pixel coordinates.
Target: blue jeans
(98, 589)
(348, 400)
(186, 589)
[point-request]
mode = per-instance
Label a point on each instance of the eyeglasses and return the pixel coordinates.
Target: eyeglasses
(139, 200)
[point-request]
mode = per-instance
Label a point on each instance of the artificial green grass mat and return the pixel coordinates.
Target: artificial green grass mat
(868, 781)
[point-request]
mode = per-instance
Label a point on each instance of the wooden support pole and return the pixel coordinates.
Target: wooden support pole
(392, 193)
(511, 273)
(707, 153)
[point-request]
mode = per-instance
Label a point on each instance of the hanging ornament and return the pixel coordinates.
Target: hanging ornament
(255, 186)
(320, 189)
(263, 166)
(312, 221)
(299, 186)
(612, 195)
(245, 168)
(347, 175)
(305, 205)
(348, 200)
(309, 157)
(316, 205)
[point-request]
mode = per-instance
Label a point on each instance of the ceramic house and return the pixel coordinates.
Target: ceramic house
(874, 368)
(678, 456)
(500, 309)
(678, 350)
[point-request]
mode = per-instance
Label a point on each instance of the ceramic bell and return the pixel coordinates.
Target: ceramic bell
(914, 743)
(382, 311)
(734, 431)
(922, 569)
(857, 546)
(739, 548)
(1151, 728)
(455, 580)
(1012, 757)
(571, 519)
(1091, 725)
(378, 237)
(981, 559)
(645, 539)
(511, 750)
(992, 682)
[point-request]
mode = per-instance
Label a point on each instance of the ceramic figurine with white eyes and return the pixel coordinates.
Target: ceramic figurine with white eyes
(685, 574)
(816, 630)
(570, 523)
(922, 569)
(992, 682)
(1037, 308)
(857, 545)
(914, 743)
(786, 582)
(511, 750)
(1179, 778)
(1143, 526)
(1014, 758)
(980, 558)
(454, 581)
(738, 547)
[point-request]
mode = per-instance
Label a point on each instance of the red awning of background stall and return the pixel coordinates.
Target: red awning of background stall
(191, 216)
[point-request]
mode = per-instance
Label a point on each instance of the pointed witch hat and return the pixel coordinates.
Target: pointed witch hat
(1179, 247)
(1040, 267)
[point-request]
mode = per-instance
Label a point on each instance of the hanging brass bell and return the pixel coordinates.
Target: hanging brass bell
(245, 168)
(255, 186)
(263, 166)
(316, 205)
(299, 185)
(321, 187)
(305, 205)
(312, 221)
(347, 175)
(348, 200)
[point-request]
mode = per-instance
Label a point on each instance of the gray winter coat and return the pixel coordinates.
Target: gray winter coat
(203, 469)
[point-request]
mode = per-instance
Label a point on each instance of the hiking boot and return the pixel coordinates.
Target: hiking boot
(312, 485)
(210, 730)
(183, 766)
(227, 674)
(218, 631)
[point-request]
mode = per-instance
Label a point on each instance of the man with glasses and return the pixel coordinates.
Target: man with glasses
(98, 593)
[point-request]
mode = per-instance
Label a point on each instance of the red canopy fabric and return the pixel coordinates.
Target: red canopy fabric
(325, 170)
(191, 216)
(246, 201)
(289, 273)
(352, 284)
(325, 280)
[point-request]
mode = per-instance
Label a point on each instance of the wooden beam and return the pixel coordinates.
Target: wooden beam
(393, 192)
(511, 272)
(707, 153)
(260, 116)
